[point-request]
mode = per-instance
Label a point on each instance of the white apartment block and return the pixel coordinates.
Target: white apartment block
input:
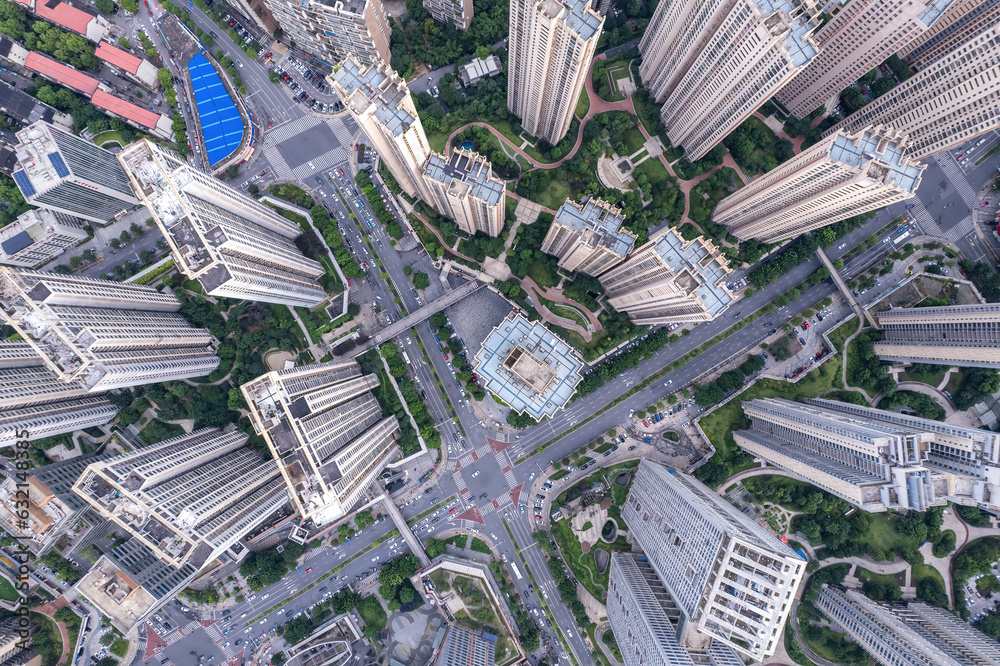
(61, 172)
(233, 245)
(670, 280)
(51, 418)
(456, 12)
(98, 335)
(858, 38)
(327, 433)
(841, 176)
(712, 64)
(336, 29)
(38, 236)
(730, 578)
(464, 188)
(587, 237)
(551, 46)
(962, 20)
(953, 99)
(963, 335)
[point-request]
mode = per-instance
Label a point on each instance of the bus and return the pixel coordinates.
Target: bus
(900, 239)
(513, 567)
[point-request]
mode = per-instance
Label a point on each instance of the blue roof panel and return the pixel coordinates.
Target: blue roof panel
(21, 178)
(59, 165)
(221, 124)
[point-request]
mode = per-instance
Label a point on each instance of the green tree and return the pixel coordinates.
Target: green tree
(131, 6)
(104, 6)
(421, 281)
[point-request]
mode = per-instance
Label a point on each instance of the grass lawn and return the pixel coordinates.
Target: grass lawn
(438, 140)
(584, 566)
(655, 172)
(110, 135)
(555, 195)
(842, 332)
(634, 139)
(540, 273)
(932, 380)
(922, 571)
(882, 533)
(525, 165)
(988, 583)
(7, 591)
(569, 313)
(955, 382)
(889, 579)
(583, 106)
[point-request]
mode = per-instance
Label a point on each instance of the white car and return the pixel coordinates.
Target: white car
(266, 596)
(493, 536)
(530, 478)
(262, 621)
(475, 474)
(375, 559)
(281, 612)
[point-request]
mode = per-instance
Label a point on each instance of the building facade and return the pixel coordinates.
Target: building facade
(945, 104)
(336, 29)
(670, 280)
(38, 236)
(729, 578)
(233, 245)
(962, 20)
(964, 335)
(326, 431)
(61, 172)
(707, 87)
(841, 176)
(464, 188)
(455, 12)
(462, 647)
(858, 38)
(587, 237)
(551, 46)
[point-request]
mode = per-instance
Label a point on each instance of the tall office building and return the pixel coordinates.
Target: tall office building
(707, 86)
(841, 176)
(965, 335)
(103, 335)
(551, 46)
(729, 578)
(462, 647)
(232, 244)
(455, 12)
(587, 237)
(381, 104)
(960, 21)
(912, 632)
(670, 280)
(464, 188)
(333, 29)
(326, 431)
(858, 38)
(946, 103)
(64, 173)
(38, 236)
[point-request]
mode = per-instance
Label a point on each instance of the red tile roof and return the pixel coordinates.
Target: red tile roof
(117, 57)
(125, 109)
(60, 73)
(65, 15)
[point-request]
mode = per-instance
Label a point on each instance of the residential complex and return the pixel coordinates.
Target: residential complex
(587, 237)
(858, 38)
(462, 647)
(12, 650)
(841, 176)
(964, 335)
(960, 21)
(38, 236)
(551, 46)
(670, 280)
(944, 104)
(455, 12)
(326, 430)
(64, 173)
(334, 29)
(727, 577)
(229, 242)
(707, 86)
(464, 188)
(909, 632)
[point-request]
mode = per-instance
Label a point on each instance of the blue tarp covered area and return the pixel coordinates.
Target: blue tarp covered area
(221, 124)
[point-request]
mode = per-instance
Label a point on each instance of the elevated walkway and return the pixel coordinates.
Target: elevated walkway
(848, 294)
(411, 540)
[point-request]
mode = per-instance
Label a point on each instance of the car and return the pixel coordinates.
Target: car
(262, 621)
(484, 496)
(309, 570)
(319, 181)
(225, 633)
(266, 596)
(805, 325)
(281, 612)
(225, 645)
(475, 474)
(668, 382)
(645, 423)
(453, 510)
(632, 448)
(521, 508)
(842, 246)
(802, 340)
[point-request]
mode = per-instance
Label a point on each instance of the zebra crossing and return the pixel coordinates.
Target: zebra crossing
(511, 479)
(960, 230)
(466, 459)
(214, 632)
(956, 177)
(921, 216)
(340, 130)
(460, 484)
(483, 450)
(486, 509)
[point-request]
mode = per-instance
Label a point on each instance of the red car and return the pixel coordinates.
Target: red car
(268, 55)
(355, 146)
(645, 424)
(805, 325)
(453, 510)
(232, 23)
(309, 570)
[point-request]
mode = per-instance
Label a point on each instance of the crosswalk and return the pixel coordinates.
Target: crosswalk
(214, 632)
(462, 486)
(341, 132)
(956, 177)
(486, 509)
(960, 230)
(511, 479)
(925, 223)
(483, 450)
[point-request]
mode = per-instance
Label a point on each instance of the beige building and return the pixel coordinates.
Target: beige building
(707, 86)
(38, 236)
(861, 36)
(950, 101)
(960, 21)
(670, 280)
(456, 12)
(551, 46)
(336, 29)
(464, 188)
(963, 335)
(842, 175)
(587, 238)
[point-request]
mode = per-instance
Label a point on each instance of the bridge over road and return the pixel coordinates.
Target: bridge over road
(844, 289)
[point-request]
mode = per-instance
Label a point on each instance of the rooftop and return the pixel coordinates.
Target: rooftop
(127, 110)
(64, 14)
(579, 17)
(465, 166)
(883, 151)
(789, 18)
(117, 57)
(61, 73)
(700, 260)
(383, 89)
(601, 218)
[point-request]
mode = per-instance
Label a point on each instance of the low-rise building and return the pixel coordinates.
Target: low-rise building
(480, 68)
(133, 67)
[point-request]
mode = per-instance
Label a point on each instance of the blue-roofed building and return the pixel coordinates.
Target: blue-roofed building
(528, 367)
(222, 125)
(38, 236)
(464, 188)
(670, 280)
(587, 238)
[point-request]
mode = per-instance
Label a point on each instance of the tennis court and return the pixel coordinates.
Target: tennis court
(221, 125)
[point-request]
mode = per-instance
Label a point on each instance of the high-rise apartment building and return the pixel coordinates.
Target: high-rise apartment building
(12, 652)
(464, 188)
(381, 104)
(551, 46)
(946, 103)
(729, 578)
(910, 632)
(455, 12)
(587, 237)
(670, 280)
(230, 243)
(841, 176)
(707, 86)
(462, 647)
(965, 335)
(960, 21)
(326, 431)
(102, 335)
(38, 236)
(64, 173)
(858, 38)
(334, 29)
